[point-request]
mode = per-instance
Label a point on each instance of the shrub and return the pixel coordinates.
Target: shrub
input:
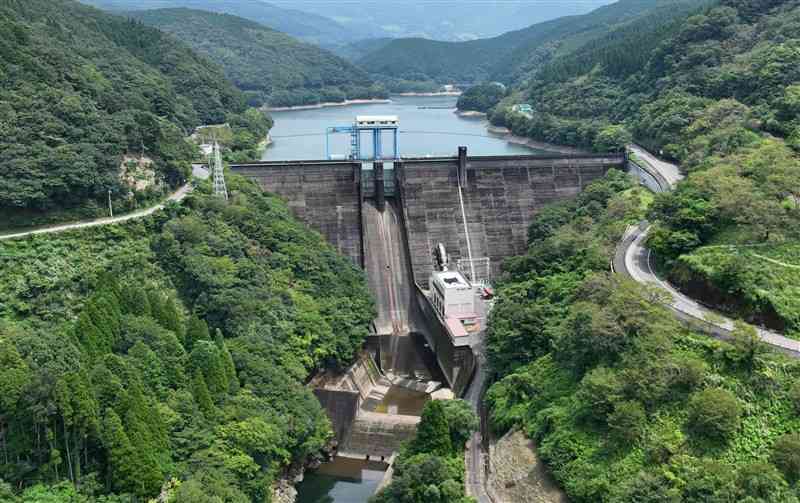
(714, 413)
(786, 456)
(627, 420)
(794, 396)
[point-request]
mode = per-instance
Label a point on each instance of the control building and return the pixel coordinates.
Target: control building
(453, 298)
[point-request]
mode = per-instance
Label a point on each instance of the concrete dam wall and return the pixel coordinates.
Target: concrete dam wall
(501, 195)
(323, 194)
(389, 220)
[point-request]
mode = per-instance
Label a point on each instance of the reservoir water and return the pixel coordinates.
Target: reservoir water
(428, 127)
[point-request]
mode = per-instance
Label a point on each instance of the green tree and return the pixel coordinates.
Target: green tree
(794, 396)
(461, 420)
(433, 432)
(134, 300)
(121, 474)
(201, 395)
(747, 345)
(714, 413)
(763, 482)
(196, 330)
(627, 420)
(786, 456)
(613, 138)
(15, 377)
(208, 359)
(227, 361)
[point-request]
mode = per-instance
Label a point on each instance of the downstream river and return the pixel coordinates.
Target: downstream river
(428, 127)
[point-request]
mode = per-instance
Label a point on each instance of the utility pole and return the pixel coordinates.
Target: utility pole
(217, 173)
(110, 208)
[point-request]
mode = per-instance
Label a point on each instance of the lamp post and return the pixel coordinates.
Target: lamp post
(110, 208)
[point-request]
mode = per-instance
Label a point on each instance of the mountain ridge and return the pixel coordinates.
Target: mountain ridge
(269, 66)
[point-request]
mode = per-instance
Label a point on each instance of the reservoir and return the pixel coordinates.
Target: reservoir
(428, 127)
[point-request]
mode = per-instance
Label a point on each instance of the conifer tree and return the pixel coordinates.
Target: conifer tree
(171, 319)
(133, 300)
(156, 302)
(88, 335)
(196, 330)
(120, 473)
(207, 358)
(227, 361)
(201, 394)
(433, 433)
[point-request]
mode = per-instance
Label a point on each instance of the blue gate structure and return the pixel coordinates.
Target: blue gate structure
(375, 124)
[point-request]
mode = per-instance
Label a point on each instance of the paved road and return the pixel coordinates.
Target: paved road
(175, 196)
(634, 259)
(669, 171)
(476, 457)
(198, 171)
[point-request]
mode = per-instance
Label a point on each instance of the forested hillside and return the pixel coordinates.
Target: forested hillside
(268, 66)
(170, 352)
(80, 90)
(511, 56)
(624, 403)
(719, 92)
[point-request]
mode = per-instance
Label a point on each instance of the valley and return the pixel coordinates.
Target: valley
(570, 274)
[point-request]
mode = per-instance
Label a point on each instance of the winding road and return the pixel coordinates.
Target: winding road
(634, 260)
(178, 195)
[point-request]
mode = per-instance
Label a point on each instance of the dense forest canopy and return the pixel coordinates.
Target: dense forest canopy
(171, 348)
(81, 89)
(268, 66)
(718, 92)
(625, 404)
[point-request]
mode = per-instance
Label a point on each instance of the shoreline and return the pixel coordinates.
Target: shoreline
(428, 95)
(468, 114)
(533, 144)
(329, 104)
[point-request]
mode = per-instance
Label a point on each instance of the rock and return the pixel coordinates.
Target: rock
(518, 474)
(284, 492)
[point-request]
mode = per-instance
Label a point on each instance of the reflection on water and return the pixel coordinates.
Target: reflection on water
(343, 480)
(300, 134)
(402, 401)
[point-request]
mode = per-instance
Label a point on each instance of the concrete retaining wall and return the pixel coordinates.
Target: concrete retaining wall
(323, 194)
(501, 196)
(341, 396)
(456, 363)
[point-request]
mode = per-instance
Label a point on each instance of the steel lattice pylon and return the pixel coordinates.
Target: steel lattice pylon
(218, 174)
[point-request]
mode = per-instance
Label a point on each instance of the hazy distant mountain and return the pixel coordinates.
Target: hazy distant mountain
(508, 57)
(442, 19)
(306, 26)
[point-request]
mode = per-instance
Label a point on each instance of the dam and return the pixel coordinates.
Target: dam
(389, 213)
(389, 217)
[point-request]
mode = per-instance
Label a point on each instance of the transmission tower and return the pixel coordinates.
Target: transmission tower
(218, 174)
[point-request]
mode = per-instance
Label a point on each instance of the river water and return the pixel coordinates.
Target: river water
(428, 127)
